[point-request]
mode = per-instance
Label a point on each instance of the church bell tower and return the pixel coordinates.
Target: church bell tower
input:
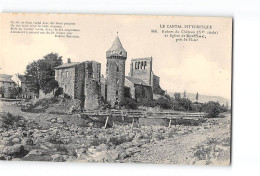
(115, 72)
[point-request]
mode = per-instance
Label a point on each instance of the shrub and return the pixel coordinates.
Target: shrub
(104, 103)
(147, 103)
(40, 105)
(197, 107)
(129, 103)
(58, 92)
(10, 120)
(212, 108)
(164, 103)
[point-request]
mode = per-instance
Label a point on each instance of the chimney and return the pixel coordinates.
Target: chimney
(69, 61)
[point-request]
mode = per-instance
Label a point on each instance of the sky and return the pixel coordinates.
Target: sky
(203, 66)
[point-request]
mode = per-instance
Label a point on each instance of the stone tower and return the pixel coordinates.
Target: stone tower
(115, 72)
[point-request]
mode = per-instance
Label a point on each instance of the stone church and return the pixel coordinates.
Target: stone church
(83, 81)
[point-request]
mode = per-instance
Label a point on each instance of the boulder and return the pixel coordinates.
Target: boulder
(16, 140)
(57, 158)
(27, 141)
(6, 141)
(81, 151)
(133, 150)
(102, 147)
(2, 157)
(53, 120)
(122, 155)
(6, 134)
(60, 120)
(15, 150)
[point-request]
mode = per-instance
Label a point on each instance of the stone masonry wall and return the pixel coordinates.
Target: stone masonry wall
(66, 79)
(141, 68)
(115, 79)
(92, 94)
(143, 92)
(92, 85)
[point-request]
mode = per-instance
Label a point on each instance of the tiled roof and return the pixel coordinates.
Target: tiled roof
(68, 65)
(136, 80)
(117, 46)
(6, 78)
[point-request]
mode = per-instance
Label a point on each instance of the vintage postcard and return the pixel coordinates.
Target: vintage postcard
(115, 88)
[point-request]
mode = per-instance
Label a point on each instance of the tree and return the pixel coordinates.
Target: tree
(58, 92)
(40, 74)
(51, 85)
(128, 103)
(16, 91)
(164, 103)
(185, 103)
(177, 96)
(197, 96)
(184, 94)
(168, 97)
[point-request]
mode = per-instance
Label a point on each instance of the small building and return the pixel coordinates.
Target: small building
(20, 81)
(81, 80)
(6, 86)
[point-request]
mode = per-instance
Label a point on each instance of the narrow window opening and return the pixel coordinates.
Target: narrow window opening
(144, 64)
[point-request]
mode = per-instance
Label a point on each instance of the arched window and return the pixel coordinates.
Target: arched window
(138, 65)
(142, 64)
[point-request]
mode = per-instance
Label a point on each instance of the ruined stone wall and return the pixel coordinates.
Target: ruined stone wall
(92, 94)
(92, 85)
(143, 92)
(131, 86)
(156, 85)
(103, 88)
(156, 82)
(66, 80)
(79, 83)
(141, 68)
(115, 79)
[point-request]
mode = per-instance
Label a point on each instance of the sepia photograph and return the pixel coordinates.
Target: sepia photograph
(115, 88)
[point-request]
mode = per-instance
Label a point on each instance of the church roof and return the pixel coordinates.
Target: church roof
(117, 46)
(136, 80)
